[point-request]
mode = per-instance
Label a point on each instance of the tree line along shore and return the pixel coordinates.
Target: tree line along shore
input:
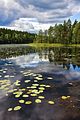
(65, 33)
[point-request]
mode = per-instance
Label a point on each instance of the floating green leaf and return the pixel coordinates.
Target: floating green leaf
(28, 102)
(25, 96)
(38, 101)
(17, 108)
(10, 109)
(51, 102)
(41, 97)
(21, 101)
(49, 78)
(27, 81)
(33, 95)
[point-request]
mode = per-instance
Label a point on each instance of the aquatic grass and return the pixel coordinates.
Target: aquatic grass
(39, 45)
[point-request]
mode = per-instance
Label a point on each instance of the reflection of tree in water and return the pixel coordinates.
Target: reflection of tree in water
(63, 56)
(8, 52)
(58, 55)
(66, 65)
(51, 56)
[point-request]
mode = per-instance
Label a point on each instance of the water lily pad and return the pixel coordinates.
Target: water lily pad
(18, 93)
(17, 96)
(4, 71)
(28, 87)
(6, 76)
(65, 97)
(23, 89)
(48, 86)
(41, 91)
(33, 95)
(28, 102)
(12, 76)
(27, 81)
(41, 97)
(21, 101)
(40, 75)
(17, 108)
(25, 96)
(34, 91)
(10, 91)
(41, 88)
(49, 78)
(17, 84)
(26, 75)
(35, 84)
(33, 87)
(35, 81)
(37, 101)
(34, 75)
(10, 109)
(51, 102)
(15, 89)
(42, 85)
(38, 78)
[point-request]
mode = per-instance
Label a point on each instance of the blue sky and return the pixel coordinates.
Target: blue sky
(33, 15)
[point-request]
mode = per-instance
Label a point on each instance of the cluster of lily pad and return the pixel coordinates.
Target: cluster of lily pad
(34, 90)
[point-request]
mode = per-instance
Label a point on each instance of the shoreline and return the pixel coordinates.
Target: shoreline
(53, 45)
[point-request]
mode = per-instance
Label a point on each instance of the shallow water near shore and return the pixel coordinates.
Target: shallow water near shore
(39, 83)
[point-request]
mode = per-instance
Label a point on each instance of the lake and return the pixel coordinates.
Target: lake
(39, 83)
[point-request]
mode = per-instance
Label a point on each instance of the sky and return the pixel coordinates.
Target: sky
(33, 15)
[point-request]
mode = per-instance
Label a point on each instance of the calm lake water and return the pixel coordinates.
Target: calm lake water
(39, 83)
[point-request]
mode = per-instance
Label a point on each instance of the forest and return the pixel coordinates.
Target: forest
(66, 33)
(8, 36)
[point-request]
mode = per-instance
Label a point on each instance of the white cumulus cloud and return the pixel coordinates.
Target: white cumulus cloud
(33, 15)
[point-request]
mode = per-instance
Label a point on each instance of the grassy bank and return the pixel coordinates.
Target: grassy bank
(53, 45)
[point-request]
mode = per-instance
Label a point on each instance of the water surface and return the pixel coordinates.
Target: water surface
(39, 83)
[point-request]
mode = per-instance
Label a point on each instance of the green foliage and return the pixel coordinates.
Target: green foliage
(15, 37)
(66, 33)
